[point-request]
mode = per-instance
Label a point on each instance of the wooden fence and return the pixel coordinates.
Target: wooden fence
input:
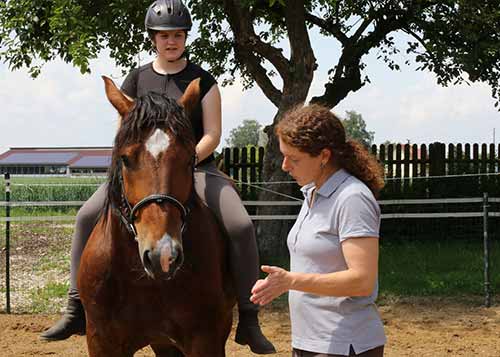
(412, 171)
(244, 164)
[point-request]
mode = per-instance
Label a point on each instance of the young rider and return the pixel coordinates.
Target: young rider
(167, 23)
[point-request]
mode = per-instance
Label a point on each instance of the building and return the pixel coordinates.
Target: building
(56, 161)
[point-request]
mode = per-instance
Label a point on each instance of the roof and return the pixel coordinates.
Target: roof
(78, 157)
(92, 161)
(53, 158)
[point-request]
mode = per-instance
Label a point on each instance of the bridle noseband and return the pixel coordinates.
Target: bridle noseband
(130, 216)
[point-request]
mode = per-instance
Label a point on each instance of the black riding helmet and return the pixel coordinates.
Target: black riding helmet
(168, 15)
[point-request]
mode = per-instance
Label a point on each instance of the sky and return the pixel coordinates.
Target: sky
(62, 107)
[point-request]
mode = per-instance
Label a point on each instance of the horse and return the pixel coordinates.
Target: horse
(155, 269)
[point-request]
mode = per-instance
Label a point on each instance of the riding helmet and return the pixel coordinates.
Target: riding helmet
(168, 15)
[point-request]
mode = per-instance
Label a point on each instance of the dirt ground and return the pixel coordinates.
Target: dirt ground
(425, 327)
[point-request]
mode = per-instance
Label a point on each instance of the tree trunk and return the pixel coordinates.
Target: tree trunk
(272, 234)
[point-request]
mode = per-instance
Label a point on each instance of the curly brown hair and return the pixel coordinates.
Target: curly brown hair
(313, 128)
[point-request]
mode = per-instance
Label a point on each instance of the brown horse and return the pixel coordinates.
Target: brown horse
(154, 271)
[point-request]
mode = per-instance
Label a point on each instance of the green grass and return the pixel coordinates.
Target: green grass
(52, 180)
(40, 211)
(56, 260)
(58, 189)
(42, 299)
(428, 268)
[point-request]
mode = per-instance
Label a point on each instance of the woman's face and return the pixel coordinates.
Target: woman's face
(302, 166)
(170, 44)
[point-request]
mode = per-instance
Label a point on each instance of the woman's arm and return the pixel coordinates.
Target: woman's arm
(361, 256)
(212, 123)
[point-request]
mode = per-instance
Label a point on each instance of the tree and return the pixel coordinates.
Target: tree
(248, 133)
(355, 128)
(457, 40)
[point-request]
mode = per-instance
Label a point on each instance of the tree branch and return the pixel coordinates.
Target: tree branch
(249, 49)
(240, 18)
(302, 56)
(330, 27)
(359, 32)
(347, 75)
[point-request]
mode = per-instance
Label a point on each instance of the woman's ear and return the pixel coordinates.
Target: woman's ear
(326, 156)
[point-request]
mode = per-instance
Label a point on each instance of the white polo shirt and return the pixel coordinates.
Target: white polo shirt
(344, 208)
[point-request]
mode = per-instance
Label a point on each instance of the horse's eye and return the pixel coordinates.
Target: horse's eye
(125, 160)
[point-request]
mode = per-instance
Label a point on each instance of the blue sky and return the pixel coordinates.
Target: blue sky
(64, 108)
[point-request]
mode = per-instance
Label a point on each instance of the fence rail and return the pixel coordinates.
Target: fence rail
(382, 203)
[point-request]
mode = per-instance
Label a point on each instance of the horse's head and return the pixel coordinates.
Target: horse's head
(151, 177)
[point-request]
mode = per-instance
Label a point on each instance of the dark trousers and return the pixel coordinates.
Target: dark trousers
(376, 352)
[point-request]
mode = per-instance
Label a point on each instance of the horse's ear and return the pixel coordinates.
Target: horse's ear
(116, 97)
(191, 96)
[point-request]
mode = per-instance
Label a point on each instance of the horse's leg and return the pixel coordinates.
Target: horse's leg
(106, 346)
(166, 351)
(203, 346)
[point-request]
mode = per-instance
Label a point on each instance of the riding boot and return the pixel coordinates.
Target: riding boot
(71, 323)
(248, 332)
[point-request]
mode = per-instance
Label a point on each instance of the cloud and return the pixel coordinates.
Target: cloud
(65, 108)
(59, 108)
(422, 111)
(239, 104)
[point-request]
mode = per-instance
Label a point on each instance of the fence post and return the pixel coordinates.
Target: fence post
(437, 167)
(7, 243)
(227, 161)
(486, 252)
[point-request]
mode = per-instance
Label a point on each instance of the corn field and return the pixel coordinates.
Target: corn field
(44, 189)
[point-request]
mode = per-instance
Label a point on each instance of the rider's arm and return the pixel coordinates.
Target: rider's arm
(212, 123)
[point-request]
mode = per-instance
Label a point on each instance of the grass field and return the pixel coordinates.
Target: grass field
(36, 189)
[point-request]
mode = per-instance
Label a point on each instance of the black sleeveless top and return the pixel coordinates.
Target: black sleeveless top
(145, 79)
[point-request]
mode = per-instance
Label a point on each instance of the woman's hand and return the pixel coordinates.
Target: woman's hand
(276, 283)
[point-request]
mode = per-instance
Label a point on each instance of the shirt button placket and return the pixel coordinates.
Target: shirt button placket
(300, 228)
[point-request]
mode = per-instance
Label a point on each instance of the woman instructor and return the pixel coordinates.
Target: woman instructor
(333, 245)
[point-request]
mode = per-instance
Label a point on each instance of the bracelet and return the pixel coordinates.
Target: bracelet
(195, 159)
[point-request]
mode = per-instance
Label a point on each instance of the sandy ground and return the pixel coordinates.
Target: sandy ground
(421, 327)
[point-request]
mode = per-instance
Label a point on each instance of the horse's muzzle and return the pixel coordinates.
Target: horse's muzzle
(164, 260)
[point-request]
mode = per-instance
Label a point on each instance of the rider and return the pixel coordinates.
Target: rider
(167, 23)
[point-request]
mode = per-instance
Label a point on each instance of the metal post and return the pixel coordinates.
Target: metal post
(486, 252)
(7, 242)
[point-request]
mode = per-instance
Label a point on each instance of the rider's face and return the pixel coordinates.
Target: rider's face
(171, 44)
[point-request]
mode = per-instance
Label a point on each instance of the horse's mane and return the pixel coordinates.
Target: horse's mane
(150, 112)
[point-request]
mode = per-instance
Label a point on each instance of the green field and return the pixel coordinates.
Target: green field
(430, 268)
(32, 189)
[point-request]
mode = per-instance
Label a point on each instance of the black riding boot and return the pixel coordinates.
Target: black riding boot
(248, 332)
(71, 323)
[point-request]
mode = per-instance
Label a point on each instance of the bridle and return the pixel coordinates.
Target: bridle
(128, 213)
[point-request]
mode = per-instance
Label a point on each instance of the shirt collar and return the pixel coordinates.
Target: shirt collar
(330, 185)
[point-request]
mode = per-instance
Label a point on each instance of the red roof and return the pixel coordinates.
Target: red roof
(54, 155)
